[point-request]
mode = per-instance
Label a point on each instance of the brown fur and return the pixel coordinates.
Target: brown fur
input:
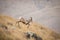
(26, 22)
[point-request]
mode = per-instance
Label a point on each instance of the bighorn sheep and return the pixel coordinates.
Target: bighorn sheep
(29, 21)
(26, 22)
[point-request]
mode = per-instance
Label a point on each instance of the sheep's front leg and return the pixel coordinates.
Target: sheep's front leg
(28, 25)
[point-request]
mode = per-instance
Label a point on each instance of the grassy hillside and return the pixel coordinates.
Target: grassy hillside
(9, 30)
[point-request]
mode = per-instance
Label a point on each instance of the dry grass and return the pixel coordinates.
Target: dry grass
(13, 32)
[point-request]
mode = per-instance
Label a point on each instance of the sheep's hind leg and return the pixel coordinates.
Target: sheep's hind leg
(18, 24)
(28, 25)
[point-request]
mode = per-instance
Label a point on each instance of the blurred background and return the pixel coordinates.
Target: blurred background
(45, 12)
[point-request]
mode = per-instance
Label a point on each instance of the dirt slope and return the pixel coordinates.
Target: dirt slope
(9, 30)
